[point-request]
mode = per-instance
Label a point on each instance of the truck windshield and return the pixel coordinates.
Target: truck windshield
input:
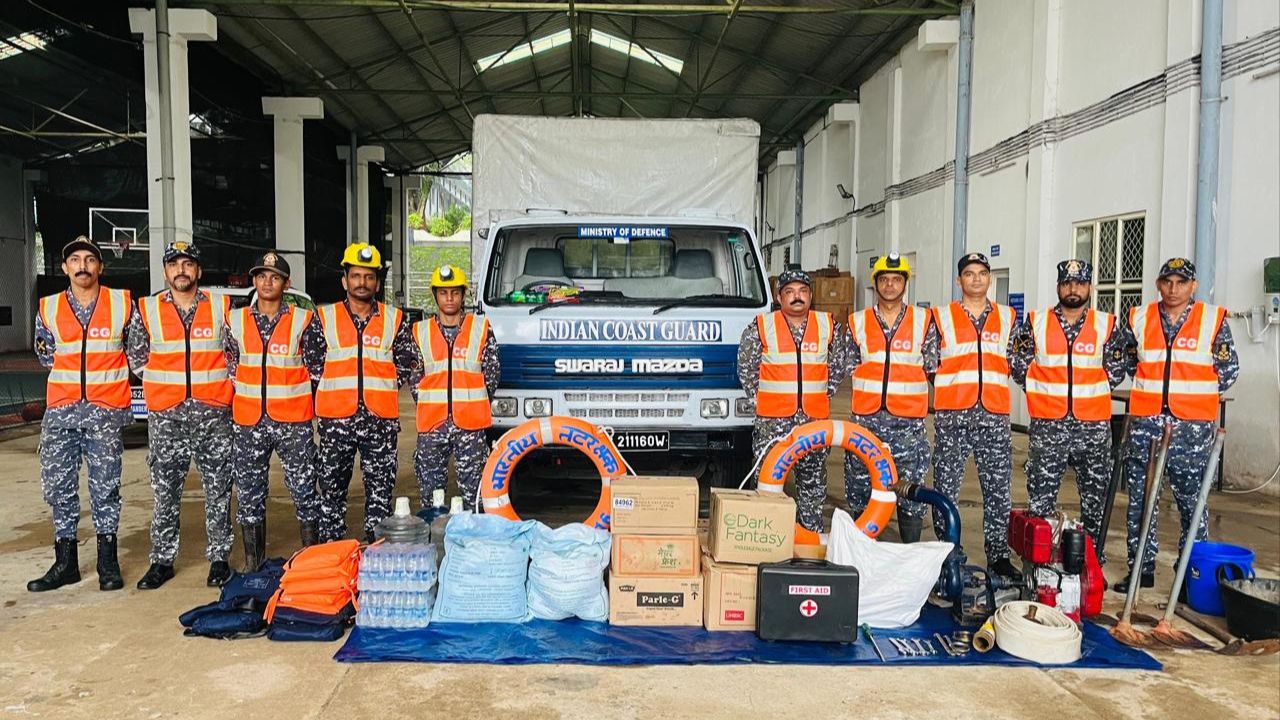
(626, 265)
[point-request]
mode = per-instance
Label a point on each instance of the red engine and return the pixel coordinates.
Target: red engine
(1061, 566)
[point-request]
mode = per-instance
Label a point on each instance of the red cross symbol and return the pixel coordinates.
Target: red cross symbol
(808, 608)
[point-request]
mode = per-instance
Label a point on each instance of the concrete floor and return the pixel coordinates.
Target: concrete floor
(79, 652)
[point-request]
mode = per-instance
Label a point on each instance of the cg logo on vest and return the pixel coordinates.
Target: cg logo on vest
(808, 347)
(96, 332)
(371, 340)
(202, 333)
(898, 344)
(1084, 348)
(278, 348)
(1186, 343)
(988, 336)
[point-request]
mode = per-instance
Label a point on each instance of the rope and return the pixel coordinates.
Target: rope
(1051, 638)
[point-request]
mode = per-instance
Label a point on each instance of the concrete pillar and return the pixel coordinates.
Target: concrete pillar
(365, 154)
(185, 25)
(291, 230)
(399, 242)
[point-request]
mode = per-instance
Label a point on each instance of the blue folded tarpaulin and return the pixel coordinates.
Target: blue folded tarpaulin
(590, 643)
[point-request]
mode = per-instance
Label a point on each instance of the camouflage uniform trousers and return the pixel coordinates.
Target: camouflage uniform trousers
(174, 443)
(1189, 451)
(470, 451)
(908, 443)
(61, 450)
(251, 463)
(987, 437)
(810, 472)
(1086, 447)
(375, 438)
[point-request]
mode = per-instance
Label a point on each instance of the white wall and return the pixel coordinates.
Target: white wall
(15, 280)
(1044, 59)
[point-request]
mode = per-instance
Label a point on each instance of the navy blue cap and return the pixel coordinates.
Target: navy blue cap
(181, 248)
(971, 258)
(1074, 271)
(1178, 266)
(792, 275)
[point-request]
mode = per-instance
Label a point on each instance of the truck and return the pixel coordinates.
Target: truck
(617, 265)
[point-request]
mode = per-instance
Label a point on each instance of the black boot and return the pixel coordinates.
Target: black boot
(255, 545)
(108, 564)
(1005, 569)
(219, 573)
(157, 575)
(1147, 580)
(909, 528)
(65, 569)
(309, 532)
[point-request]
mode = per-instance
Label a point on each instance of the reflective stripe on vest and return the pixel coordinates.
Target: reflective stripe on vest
(793, 377)
(88, 360)
(185, 362)
(453, 382)
(1176, 375)
(271, 378)
(890, 375)
(973, 367)
(1072, 377)
(358, 366)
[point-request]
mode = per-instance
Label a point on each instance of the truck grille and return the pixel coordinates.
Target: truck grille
(649, 405)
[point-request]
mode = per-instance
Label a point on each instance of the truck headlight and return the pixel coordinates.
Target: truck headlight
(537, 407)
(714, 408)
(503, 406)
(743, 407)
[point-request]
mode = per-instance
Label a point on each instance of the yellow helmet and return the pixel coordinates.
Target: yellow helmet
(447, 276)
(893, 262)
(362, 255)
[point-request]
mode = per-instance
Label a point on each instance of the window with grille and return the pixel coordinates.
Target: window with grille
(1115, 247)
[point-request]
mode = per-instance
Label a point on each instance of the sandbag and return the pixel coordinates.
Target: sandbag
(485, 568)
(566, 573)
(895, 579)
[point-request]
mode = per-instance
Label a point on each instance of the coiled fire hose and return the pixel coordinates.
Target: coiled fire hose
(1033, 631)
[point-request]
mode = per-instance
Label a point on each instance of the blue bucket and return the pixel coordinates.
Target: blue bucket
(1202, 573)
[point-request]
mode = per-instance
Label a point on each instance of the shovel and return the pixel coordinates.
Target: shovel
(1124, 631)
(1231, 645)
(1164, 630)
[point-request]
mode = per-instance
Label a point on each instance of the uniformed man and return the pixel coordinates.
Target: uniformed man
(175, 345)
(893, 350)
(269, 346)
(1182, 359)
(368, 353)
(971, 403)
(455, 372)
(80, 336)
(1068, 358)
(790, 362)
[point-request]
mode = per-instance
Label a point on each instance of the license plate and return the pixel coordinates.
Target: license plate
(640, 441)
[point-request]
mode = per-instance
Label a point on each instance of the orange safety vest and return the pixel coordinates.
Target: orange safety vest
(891, 375)
(973, 367)
(453, 382)
(793, 377)
(185, 362)
(358, 367)
(88, 360)
(271, 378)
(1069, 377)
(1176, 375)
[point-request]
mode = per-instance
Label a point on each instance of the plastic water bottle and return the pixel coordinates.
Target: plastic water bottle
(437, 507)
(402, 526)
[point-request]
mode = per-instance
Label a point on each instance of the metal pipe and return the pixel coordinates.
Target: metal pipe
(1215, 456)
(353, 205)
(165, 98)
(1207, 153)
(964, 75)
(591, 7)
(795, 236)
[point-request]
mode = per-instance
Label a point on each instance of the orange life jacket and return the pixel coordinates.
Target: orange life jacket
(185, 362)
(358, 366)
(88, 360)
(891, 373)
(271, 379)
(453, 383)
(1176, 375)
(973, 367)
(1069, 377)
(793, 377)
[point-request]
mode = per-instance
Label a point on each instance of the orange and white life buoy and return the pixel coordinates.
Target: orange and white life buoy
(495, 482)
(853, 438)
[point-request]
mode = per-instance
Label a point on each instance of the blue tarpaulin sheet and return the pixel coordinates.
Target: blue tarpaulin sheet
(591, 643)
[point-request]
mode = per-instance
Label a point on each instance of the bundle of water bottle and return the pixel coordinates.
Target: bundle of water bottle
(397, 579)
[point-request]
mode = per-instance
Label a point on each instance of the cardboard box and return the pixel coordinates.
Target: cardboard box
(656, 555)
(730, 602)
(655, 601)
(751, 527)
(654, 505)
(833, 290)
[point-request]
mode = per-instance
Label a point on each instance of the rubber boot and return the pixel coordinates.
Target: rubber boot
(1146, 580)
(65, 569)
(255, 545)
(158, 574)
(108, 564)
(909, 528)
(219, 573)
(309, 533)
